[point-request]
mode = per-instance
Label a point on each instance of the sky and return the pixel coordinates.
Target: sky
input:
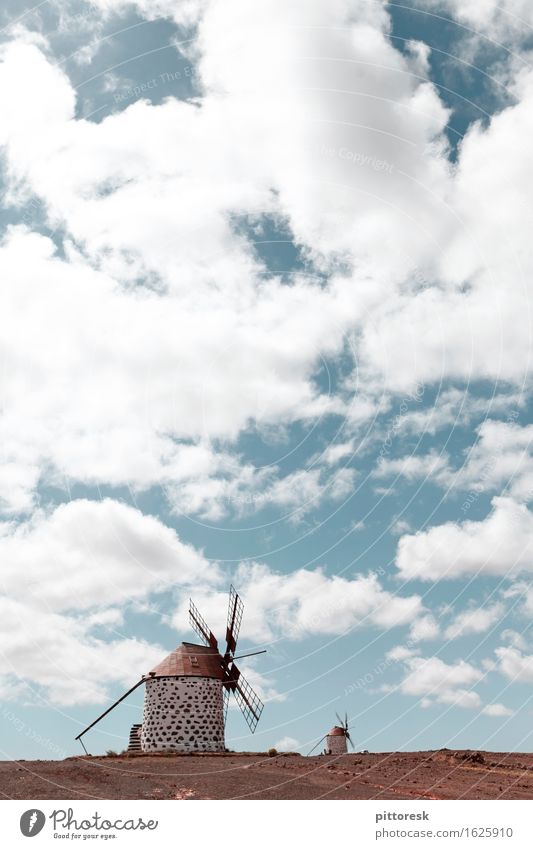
(265, 319)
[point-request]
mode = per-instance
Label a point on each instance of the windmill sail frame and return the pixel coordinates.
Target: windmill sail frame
(233, 680)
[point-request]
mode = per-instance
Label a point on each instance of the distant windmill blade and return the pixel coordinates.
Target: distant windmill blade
(246, 697)
(235, 610)
(350, 741)
(341, 723)
(346, 721)
(201, 627)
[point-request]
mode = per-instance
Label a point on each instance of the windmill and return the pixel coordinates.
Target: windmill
(336, 738)
(186, 695)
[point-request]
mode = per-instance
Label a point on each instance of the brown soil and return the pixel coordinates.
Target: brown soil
(442, 774)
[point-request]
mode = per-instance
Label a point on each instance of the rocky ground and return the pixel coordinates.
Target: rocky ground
(443, 774)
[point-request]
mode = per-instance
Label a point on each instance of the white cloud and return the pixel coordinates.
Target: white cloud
(224, 332)
(501, 544)
(140, 354)
(515, 665)
(401, 526)
(437, 681)
(337, 451)
(210, 324)
(424, 628)
(514, 638)
(131, 357)
(185, 12)
(501, 458)
(72, 570)
(399, 653)
(63, 574)
(67, 579)
(474, 621)
(500, 20)
(56, 656)
(287, 744)
(475, 325)
(523, 591)
(454, 407)
(245, 490)
(304, 603)
(497, 710)
(433, 466)
(108, 412)
(87, 554)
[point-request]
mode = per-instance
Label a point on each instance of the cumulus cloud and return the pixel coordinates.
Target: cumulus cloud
(399, 653)
(514, 664)
(476, 324)
(287, 744)
(500, 20)
(85, 554)
(500, 459)
(304, 603)
(210, 322)
(455, 407)
(244, 490)
(474, 621)
(108, 412)
(138, 352)
(58, 658)
(424, 628)
(67, 575)
(497, 709)
(436, 681)
(415, 466)
(501, 544)
(523, 591)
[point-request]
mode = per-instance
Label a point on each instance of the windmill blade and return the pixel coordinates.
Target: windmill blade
(247, 699)
(199, 625)
(346, 721)
(350, 741)
(225, 693)
(341, 723)
(235, 610)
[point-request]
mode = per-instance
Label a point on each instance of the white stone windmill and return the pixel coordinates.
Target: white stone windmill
(336, 739)
(186, 695)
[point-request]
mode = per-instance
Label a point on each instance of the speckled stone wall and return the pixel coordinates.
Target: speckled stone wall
(185, 714)
(336, 745)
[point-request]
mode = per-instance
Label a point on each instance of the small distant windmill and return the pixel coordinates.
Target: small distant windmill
(336, 738)
(186, 695)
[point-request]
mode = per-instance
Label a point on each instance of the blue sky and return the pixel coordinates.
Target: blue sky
(265, 310)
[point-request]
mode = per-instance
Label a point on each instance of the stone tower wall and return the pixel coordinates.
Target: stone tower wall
(336, 744)
(185, 714)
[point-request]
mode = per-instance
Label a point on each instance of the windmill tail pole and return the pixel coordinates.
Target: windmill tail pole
(250, 654)
(109, 709)
(316, 746)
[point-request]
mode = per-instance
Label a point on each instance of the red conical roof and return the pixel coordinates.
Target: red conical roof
(337, 732)
(189, 659)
